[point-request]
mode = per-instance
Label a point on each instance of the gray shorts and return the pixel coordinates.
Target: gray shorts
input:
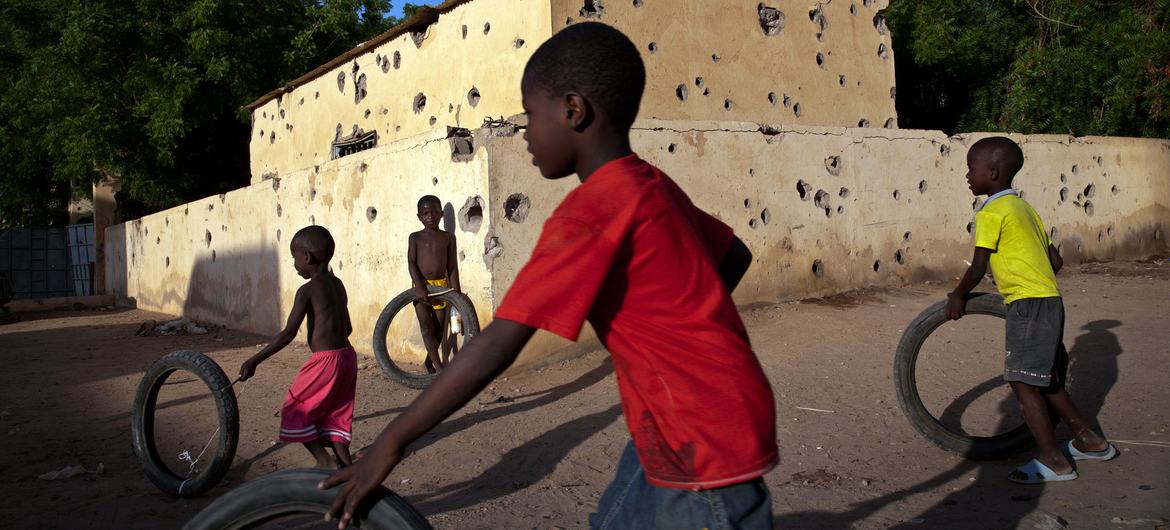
(1034, 350)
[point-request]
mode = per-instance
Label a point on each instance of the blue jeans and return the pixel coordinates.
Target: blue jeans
(631, 502)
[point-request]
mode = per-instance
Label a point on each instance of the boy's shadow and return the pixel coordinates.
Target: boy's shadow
(991, 501)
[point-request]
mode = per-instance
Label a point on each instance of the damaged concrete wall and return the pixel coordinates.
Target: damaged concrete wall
(462, 69)
(826, 210)
(782, 61)
(225, 259)
(779, 61)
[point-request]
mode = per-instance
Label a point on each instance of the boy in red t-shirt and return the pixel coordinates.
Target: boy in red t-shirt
(630, 253)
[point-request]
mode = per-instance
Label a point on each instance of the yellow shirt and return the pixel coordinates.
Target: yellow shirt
(1012, 230)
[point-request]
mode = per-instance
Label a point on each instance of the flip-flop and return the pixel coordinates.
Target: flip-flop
(1108, 453)
(1035, 472)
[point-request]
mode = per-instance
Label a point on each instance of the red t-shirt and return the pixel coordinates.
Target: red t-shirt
(628, 251)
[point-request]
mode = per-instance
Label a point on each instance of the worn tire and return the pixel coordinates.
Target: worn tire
(403, 300)
(905, 360)
(295, 491)
(142, 423)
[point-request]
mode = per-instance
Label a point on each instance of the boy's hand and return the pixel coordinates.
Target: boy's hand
(248, 369)
(359, 480)
(421, 294)
(956, 306)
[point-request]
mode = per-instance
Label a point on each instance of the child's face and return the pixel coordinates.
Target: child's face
(548, 133)
(301, 260)
(430, 214)
(981, 177)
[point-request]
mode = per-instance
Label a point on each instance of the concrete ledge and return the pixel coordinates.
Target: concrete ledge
(64, 302)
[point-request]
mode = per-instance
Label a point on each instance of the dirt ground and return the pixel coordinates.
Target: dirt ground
(537, 448)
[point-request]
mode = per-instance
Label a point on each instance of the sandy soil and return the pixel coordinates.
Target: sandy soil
(536, 449)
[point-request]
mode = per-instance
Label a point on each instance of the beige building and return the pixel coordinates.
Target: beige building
(753, 109)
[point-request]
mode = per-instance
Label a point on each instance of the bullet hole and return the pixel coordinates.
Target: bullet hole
(417, 37)
(922, 186)
(890, 123)
(398, 59)
(787, 101)
(473, 97)
(803, 189)
(592, 9)
(1074, 169)
(282, 114)
(366, 114)
(264, 114)
(843, 193)
(341, 82)
(1089, 208)
(751, 172)
(818, 268)
(820, 37)
(817, 17)
(317, 94)
(637, 3)
(944, 150)
(771, 19)
(492, 248)
(272, 137)
(213, 256)
(975, 204)
(207, 238)
(706, 91)
(840, 211)
(462, 146)
(867, 3)
(420, 103)
(385, 64)
(487, 27)
(699, 82)
(899, 257)
(261, 133)
(168, 261)
(970, 228)
(715, 57)
(879, 23)
(841, 80)
(863, 123)
(821, 60)
(1100, 236)
(518, 43)
(432, 121)
(727, 104)
(765, 216)
(681, 92)
(753, 224)
(897, 195)
(747, 203)
(158, 240)
(279, 210)
(359, 90)
(882, 51)
(462, 255)
(464, 29)
(434, 181)
(450, 107)
(568, 21)
(1063, 194)
(516, 207)
(772, 98)
(821, 200)
(893, 92)
(653, 47)
(796, 109)
(877, 265)
(833, 165)
(906, 237)
(670, 148)
(471, 214)
(1063, 178)
(1115, 189)
(853, 9)
(1090, 190)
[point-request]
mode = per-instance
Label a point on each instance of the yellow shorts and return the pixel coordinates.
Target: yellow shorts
(441, 282)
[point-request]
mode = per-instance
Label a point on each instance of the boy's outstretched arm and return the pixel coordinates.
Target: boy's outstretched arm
(286, 335)
(486, 356)
(735, 263)
(957, 299)
(1055, 259)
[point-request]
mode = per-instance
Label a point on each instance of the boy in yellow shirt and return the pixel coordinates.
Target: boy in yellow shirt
(1010, 236)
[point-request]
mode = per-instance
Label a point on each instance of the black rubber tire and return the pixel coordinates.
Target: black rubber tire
(995, 447)
(403, 300)
(295, 491)
(142, 423)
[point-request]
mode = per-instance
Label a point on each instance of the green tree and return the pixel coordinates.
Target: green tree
(1033, 66)
(150, 91)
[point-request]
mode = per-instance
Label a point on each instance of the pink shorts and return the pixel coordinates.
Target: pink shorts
(319, 405)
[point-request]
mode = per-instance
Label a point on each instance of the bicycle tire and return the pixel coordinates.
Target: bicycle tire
(410, 379)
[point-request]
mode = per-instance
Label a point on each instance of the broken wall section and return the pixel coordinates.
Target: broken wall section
(225, 259)
(455, 72)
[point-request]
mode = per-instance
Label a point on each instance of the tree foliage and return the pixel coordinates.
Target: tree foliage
(1080, 67)
(150, 91)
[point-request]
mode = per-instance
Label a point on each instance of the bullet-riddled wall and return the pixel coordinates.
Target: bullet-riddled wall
(780, 61)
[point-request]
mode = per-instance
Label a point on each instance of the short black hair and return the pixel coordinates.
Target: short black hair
(1001, 153)
(317, 240)
(425, 199)
(596, 61)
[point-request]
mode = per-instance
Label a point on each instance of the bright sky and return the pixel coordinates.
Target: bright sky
(396, 9)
